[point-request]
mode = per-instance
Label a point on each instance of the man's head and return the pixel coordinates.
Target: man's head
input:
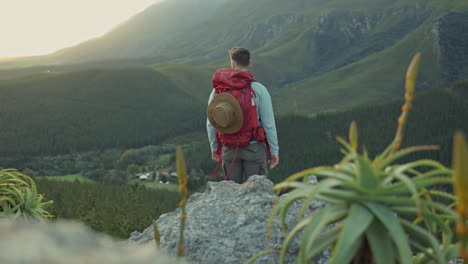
(240, 58)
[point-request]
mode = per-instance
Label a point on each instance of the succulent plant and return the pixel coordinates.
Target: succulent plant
(19, 197)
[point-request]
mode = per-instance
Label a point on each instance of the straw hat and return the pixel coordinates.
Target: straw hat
(225, 113)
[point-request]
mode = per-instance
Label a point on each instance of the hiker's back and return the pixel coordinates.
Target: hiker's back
(240, 120)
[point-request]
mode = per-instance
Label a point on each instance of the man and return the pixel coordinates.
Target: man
(238, 163)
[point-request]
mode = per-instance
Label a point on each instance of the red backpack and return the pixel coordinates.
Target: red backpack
(238, 84)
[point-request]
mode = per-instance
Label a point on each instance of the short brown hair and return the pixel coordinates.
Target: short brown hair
(240, 55)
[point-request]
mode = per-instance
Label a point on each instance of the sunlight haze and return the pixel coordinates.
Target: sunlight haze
(31, 27)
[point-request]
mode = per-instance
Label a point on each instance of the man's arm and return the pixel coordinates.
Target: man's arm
(212, 133)
(267, 119)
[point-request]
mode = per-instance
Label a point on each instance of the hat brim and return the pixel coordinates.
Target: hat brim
(236, 125)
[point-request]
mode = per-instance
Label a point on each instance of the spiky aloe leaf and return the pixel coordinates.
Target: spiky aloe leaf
(424, 235)
(325, 240)
(284, 205)
(296, 229)
(441, 194)
(314, 225)
(348, 148)
(313, 192)
(395, 230)
(303, 190)
(358, 220)
(384, 162)
(254, 258)
(367, 178)
(401, 188)
(381, 244)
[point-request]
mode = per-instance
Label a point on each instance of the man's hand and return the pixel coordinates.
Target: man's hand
(274, 161)
(215, 156)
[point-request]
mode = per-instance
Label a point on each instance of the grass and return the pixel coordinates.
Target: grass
(162, 160)
(161, 186)
(70, 178)
(78, 177)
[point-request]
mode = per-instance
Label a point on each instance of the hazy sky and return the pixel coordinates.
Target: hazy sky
(34, 27)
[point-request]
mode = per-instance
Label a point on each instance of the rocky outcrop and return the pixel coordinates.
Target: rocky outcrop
(71, 243)
(227, 224)
(342, 37)
(451, 33)
(257, 35)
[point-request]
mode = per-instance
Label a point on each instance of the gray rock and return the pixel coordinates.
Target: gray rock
(227, 224)
(71, 243)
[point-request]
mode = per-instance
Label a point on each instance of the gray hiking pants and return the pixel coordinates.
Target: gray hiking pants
(249, 161)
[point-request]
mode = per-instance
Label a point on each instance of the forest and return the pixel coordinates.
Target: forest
(304, 141)
(309, 142)
(116, 210)
(92, 110)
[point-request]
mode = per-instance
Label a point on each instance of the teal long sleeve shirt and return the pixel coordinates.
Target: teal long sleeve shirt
(266, 118)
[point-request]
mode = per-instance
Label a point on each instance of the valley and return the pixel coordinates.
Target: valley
(98, 113)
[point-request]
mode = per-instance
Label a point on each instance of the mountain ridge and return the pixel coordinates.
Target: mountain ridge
(339, 50)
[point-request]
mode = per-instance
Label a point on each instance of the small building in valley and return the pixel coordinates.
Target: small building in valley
(143, 176)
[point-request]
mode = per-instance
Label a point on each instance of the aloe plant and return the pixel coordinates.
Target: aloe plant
(378, 211)
(19, 197)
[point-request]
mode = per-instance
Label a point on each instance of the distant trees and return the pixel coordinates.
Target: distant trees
(115, 177)
(308, 142)
(93, 110)
(96, 164)
(304, 142)
(311, 142)
(116, 210)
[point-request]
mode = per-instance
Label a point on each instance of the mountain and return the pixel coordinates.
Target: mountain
(142, 35)
(315, 55)
(380, 76)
